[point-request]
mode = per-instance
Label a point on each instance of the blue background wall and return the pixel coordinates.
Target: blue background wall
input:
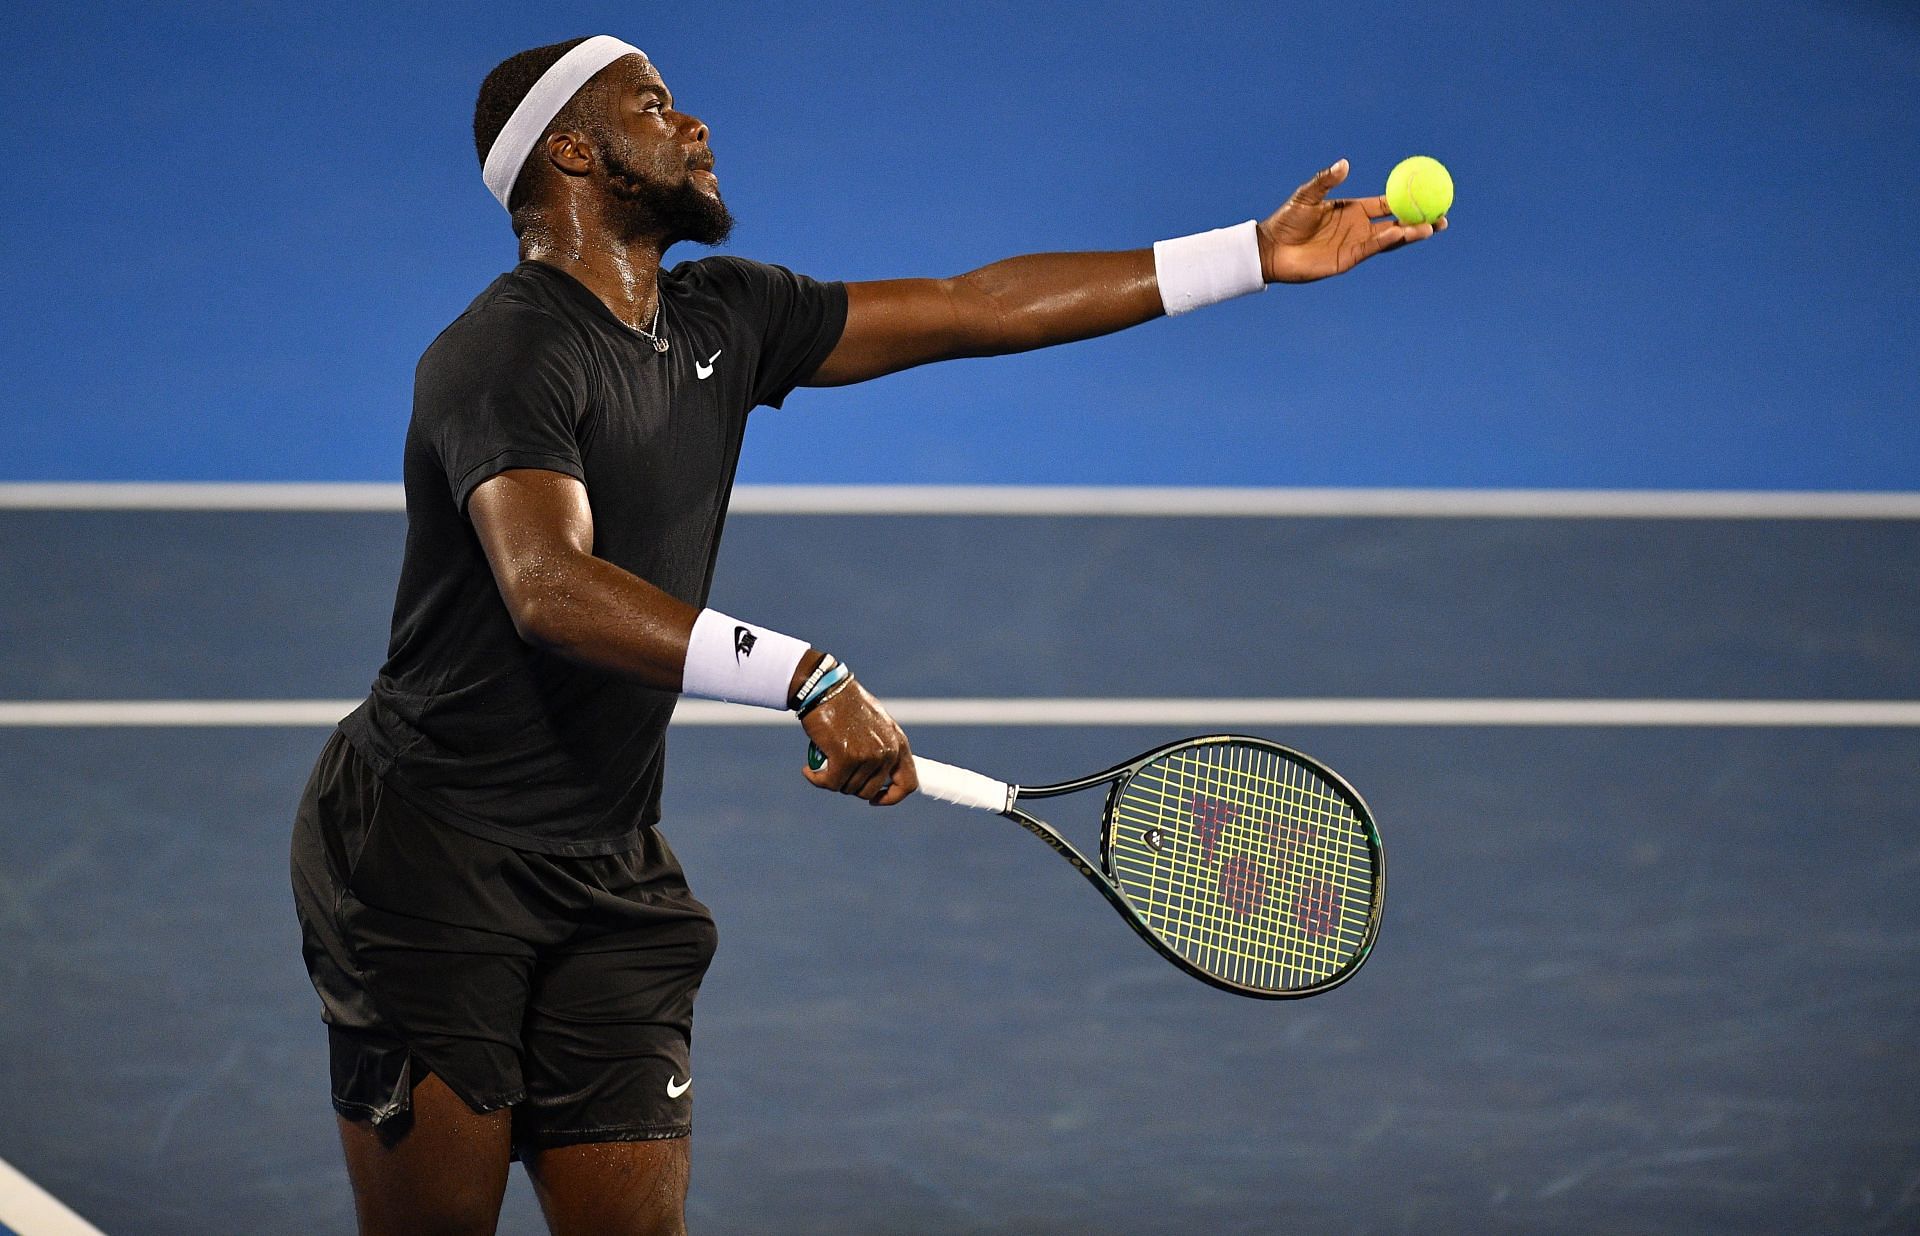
(1680, 255)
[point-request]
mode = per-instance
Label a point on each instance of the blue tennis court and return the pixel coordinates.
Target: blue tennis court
(1582, 539)
(1633, 978)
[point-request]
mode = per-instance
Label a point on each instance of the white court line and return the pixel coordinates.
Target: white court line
(196, 496)
(1051, 500)
(1078, 712)
(31, 1211)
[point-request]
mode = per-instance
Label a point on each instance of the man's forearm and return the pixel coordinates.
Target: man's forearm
(1014, 305)
(586, 609)
(1042, 299)
(591, 611)
(536, 529)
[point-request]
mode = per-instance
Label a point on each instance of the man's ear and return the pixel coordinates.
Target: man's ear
(569, 151)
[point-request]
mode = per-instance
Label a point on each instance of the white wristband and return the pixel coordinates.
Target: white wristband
(1207, 267)
(736, 661)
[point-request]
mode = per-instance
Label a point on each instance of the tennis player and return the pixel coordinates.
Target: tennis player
(505, 947)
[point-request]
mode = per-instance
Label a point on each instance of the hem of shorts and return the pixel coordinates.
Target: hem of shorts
(553, 1139)
(387, 1111)
(414, 1069)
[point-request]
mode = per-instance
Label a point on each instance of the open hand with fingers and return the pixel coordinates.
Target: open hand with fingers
(866, 752)
(1310, 237)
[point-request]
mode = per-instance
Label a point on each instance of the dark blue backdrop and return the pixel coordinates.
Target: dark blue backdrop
(1679, 256)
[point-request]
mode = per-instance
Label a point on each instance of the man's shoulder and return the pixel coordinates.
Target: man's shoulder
(723, 273)
(763, 296)
(508, 321)
(717, 264)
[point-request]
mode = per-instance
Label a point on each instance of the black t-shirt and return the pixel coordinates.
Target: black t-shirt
(468, 721)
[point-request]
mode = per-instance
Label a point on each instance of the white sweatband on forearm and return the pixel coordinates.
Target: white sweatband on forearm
(738, 662)
(1207, 267)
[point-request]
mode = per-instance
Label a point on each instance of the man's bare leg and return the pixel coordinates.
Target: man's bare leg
(614, 1188)
(443, 1176)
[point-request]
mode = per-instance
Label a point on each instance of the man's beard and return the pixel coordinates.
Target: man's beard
(672, 212)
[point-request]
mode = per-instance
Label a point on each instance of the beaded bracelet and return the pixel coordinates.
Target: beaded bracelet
(829, 686)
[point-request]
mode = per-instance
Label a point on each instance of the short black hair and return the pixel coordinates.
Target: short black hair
(509, 83)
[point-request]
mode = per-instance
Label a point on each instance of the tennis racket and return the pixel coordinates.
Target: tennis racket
(1250, 866)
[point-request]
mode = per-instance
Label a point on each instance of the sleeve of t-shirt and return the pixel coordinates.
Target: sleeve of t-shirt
(501, 388)
(799, 321)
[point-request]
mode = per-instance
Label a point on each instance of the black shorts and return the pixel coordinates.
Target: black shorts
(560, 987)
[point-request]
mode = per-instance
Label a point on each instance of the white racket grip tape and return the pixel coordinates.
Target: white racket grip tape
(960, 787)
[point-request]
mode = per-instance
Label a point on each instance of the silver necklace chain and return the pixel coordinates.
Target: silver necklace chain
(653, 336)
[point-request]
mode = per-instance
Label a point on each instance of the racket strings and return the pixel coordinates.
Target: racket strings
(1247, 863)
(1225, 895)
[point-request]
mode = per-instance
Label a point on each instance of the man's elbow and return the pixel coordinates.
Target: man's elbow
(978, 323)
(533, 619)
(541, 611)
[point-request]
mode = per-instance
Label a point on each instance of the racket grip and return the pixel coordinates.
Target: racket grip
(961, 787)
(946, 783)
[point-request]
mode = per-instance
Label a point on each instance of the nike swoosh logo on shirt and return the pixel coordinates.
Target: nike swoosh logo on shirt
(704, 370)
(673, 1091)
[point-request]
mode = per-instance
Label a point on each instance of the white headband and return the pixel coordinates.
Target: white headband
(553, 91)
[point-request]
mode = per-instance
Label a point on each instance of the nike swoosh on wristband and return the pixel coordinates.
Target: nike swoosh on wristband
(704, 370)
(673, 1091)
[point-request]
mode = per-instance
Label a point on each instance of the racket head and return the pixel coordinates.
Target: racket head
(1253, 866)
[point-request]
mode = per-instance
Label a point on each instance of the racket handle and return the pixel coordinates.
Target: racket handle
(946, 783)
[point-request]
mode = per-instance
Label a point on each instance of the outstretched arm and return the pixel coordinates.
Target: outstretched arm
(1047, 298)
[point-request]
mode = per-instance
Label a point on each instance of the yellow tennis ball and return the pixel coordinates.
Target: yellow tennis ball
(1419, 190)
